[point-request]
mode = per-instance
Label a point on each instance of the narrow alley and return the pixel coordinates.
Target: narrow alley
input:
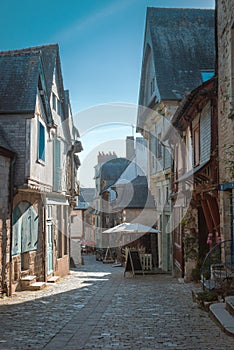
(95, 307)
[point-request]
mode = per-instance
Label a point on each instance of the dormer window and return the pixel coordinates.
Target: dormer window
(56, 104)
(59, 107)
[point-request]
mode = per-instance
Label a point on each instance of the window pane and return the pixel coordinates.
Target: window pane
(41, 148)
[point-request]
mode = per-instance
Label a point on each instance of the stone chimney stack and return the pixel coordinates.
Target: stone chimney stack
(105, 157)
(130, 147)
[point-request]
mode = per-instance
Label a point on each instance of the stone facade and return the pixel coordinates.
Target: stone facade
(38, 124)
(225, 44)
(164, 82)
(5, 225)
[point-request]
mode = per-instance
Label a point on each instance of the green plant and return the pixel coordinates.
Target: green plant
(196, 274)
(207, 296)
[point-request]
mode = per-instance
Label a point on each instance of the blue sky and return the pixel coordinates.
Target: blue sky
(100, 41)
(101, 44)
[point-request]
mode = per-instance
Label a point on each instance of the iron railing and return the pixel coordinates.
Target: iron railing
(218, 265)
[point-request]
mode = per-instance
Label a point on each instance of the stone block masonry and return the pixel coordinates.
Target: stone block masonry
(4, 226)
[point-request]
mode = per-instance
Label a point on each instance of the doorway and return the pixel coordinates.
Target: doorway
(49, 239)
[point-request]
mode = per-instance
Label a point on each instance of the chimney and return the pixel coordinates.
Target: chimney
(130, 149)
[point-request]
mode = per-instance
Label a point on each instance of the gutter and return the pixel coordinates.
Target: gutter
(16, 113)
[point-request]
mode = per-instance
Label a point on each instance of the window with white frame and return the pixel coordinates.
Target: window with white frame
(56, 104)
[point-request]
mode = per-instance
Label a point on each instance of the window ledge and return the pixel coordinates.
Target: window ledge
(40, 161)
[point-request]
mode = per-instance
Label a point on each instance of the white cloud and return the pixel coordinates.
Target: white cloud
(93, 18)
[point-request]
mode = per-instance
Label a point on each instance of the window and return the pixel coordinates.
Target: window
(57, 166)
(196, 145)
(41, 141)
(159, 146)
(159, 196)
(167, 194)
(153, 162)
(54, 102)
(207, 74)
(59, 107)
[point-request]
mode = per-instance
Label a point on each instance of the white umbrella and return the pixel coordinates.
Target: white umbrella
(125, 233)
(131, 228)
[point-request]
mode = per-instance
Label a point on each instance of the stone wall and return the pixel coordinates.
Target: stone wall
(5, 226)
(225, 34)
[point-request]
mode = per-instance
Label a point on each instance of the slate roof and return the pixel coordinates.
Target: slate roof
(85, 198)
(134, 194)
(87, 194)
(18, 82)
(3, 141)
(183, 44)
(110, 171)
(19, 73)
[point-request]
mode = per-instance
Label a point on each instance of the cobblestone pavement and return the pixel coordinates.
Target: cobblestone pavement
(97, 308)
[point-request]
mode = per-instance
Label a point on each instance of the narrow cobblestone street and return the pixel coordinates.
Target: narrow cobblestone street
(97, 308)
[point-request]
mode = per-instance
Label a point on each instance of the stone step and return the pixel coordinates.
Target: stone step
(27, 281)
(24, 273)
(37, 286)
(230, 304)
(53, 279)
(222, 317)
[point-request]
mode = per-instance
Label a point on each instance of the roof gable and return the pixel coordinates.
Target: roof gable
(19, 77)
(18, 82)
(183, 44)
(134, 194)
(111, 171)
